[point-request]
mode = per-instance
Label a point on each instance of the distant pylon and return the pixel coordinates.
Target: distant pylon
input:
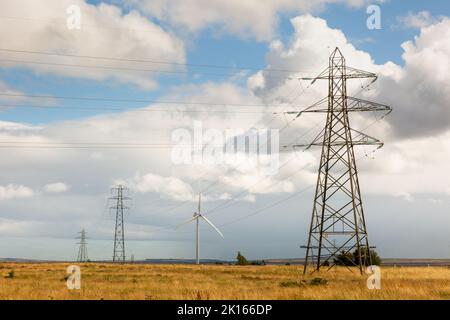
(338, 227)
(119, 235)
(82, 251)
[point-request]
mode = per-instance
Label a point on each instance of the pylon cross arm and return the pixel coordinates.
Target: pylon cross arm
(349, 73)
(360, 139)
(353, 105)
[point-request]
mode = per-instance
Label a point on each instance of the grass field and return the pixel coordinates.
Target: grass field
(143, 281)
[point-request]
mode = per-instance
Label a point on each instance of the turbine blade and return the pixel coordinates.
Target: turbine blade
(199, 200)
(212, 225)
(188, 221)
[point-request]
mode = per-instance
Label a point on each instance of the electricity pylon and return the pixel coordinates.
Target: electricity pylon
(119, 235)
(338, 227)
(82, 251)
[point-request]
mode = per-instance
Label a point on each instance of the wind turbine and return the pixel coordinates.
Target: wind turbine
(197, 216)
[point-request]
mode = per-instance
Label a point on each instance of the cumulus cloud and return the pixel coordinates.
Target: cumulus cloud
(419, 91)
(422, 93)
(12, 191)
(412, 165)
(11, 94)
(8, 128)
(309, 47)
(252, 18)
(167, 187)
(14, 228)
(105, 32)
(140, 126)
(417, 20)
(415, 133)
(447, 191)
(406, 196)
(57, 187)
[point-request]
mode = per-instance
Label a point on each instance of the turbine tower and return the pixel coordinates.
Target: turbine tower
(82, 251)
(338, 226)
(197, 216)
(119, 235)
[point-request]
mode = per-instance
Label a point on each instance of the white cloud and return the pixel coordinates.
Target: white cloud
(419, 91)
(422, 92)
(17, 228)
(250, 18)
(412, 165)
(417, 20)
(417, 130)
(166, 187)
(308, 48)
(5, 88)
(57, 187)
(15, 128)
(12, 191)
(406, 196)
(105, 32)
(434, 201)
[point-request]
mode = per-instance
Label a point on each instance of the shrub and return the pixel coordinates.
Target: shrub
(241, 260)
(376, 260)
(318, 282)
(352, 259)
(344, 259)
(290, 284)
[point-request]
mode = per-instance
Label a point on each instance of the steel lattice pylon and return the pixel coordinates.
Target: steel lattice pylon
(337, 225)
(82, 251)
(119, 235)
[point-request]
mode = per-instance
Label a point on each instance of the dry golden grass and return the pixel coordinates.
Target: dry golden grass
(137, 281)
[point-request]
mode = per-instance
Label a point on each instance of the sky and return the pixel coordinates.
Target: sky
(85, 109)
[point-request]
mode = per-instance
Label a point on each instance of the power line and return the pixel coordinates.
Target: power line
(5, 94)
(171, 208)
(247, 190)
(133, 145)
(278, 202)
(273, 118)
(84, 108)
(224, 205)
(303, 190)
(62, 22)
(210, 185)
(215, 182)
(267, 207)
(212, 66)
(125, 69)
(93, 145)
(230, 201)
